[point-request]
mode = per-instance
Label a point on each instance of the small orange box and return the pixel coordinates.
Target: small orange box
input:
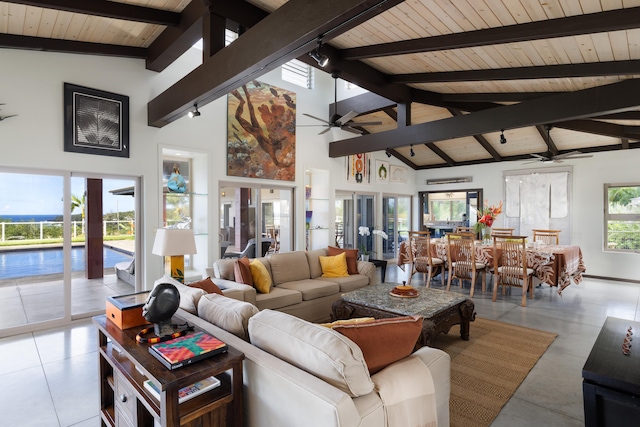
(126, 310)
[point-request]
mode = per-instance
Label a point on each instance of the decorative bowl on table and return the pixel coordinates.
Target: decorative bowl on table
(404, 291)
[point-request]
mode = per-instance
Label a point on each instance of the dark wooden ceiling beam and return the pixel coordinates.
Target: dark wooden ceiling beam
(389, 111)
(288, 32)
(545, 133)
(614, 20)
(437, 151)
(480, 138)
(494, 97)
(626, 115)
(625, 143)
(607, 99)
(601, 128)
(108, 9)
(11, 41)
(611, 68)
(365, 103)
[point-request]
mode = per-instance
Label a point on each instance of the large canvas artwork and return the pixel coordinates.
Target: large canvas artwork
(261, 132)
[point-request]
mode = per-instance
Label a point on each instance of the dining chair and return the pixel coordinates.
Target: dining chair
(502, 231)
(510, 268)
(461, 229)
(420, 257)
(461, 255)
(548, 237)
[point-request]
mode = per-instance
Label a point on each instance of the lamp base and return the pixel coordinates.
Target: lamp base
(163, 329)
(174, 267)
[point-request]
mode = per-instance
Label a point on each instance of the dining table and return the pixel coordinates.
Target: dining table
(555, 265)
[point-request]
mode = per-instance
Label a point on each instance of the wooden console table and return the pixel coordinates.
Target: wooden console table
(126, 364)
(611, 379)
(440, 309)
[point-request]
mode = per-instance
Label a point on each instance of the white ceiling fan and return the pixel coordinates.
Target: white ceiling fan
(337, 121)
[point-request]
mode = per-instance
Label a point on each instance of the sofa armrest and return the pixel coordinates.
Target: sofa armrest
(368, 269)
(248, 292)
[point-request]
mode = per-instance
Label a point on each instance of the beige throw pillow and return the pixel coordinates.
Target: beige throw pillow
(317, 350)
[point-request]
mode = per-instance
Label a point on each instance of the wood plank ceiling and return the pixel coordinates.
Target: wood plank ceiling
(556, 75)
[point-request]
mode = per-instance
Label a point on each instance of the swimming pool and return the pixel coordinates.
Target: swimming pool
(37, 262)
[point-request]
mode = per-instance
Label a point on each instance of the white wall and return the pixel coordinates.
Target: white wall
(589, 176)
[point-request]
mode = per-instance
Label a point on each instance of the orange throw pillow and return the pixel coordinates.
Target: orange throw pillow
(384, 341)
(352, 257)
(207, 285)
(242, 271)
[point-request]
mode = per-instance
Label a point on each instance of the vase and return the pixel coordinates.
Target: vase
(365, 257)
(486, 235)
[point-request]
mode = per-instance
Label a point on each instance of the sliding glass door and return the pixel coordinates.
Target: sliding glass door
(396, 220)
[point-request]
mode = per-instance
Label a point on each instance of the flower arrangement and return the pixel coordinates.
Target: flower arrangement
(365, 232)
(487, 215)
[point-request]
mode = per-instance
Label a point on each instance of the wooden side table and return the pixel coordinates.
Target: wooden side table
(126, 364)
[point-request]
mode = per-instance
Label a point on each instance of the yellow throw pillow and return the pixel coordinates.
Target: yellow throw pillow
(261, 278)
(334, 266)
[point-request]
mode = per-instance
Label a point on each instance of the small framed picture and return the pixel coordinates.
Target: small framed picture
(95, 122)
(382, 171)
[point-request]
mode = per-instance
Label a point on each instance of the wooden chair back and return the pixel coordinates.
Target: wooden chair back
(511, 269)
(548, 237)
(461, 255)
(420, 256)
(502, 231)
(461, 229)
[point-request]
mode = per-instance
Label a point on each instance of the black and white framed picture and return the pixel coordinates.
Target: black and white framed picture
(95, 121)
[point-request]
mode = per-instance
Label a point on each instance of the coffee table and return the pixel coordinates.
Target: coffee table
(440, 309)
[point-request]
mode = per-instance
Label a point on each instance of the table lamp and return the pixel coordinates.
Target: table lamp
(174, 243)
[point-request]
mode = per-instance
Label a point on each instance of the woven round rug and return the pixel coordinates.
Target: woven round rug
(489, 368)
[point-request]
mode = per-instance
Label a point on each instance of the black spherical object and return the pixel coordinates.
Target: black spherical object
(162, 303)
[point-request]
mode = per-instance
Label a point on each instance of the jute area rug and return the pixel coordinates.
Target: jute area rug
(487, 369)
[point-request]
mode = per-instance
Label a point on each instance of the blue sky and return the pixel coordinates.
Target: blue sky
(22, 194)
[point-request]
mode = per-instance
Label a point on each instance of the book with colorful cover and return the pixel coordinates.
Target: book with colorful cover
(185, 350)
(186, 393)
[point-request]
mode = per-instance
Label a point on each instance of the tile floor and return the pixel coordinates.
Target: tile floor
(49, 378)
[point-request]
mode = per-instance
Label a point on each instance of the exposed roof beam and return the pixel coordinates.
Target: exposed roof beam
(565, 106)
(481, 139)
(287, 33)
(433, 147)
(627, 115)
(389, 111)
(108, 9)
(11, 41)
(611, 68)
(365, 103)
(601, 128)
(494, 97)
(625, 143)
(614, 20)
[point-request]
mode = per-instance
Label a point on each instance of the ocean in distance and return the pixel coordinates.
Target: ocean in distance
(30, 218)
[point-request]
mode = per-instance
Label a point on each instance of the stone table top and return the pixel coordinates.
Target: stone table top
(428, 303)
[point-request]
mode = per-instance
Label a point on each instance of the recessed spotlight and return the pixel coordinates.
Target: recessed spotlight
(321, 59)
(411, 152)
(387, 153)
(503, 140)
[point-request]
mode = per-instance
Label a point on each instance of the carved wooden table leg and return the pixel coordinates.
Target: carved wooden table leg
(466, 315)
(341, 310)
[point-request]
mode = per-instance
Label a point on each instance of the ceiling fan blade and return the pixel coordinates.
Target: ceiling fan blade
(347, 117)
(350, 129)
(6, 117)
(317, 118)
(364, 123)
(578, 157)
(565, 155)
(325, 131)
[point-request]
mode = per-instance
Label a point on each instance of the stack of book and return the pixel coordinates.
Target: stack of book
(187, 392)
(185, 350)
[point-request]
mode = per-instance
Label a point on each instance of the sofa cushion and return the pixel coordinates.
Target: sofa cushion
(313, 258)
(352, 257)
(384, 341)
(278, 298)
(189, 297)
(242, 271)
(289, 266)
(351, 283)
(227, 313)
(207, 285)
(320, 351)
(260, 276)
(334, 266)
(224, 268)
(312, 288)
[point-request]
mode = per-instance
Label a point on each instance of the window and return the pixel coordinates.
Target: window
(298, 73)
(622, 217)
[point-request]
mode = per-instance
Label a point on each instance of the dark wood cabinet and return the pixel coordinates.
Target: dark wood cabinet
(611, 379)
(125, 365)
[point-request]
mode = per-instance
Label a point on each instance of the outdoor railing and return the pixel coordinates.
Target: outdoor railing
(42, 230)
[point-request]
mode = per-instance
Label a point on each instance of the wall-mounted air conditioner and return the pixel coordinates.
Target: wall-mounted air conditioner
(449, 180)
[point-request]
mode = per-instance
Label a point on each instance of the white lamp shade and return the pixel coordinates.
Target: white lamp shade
(174, 241)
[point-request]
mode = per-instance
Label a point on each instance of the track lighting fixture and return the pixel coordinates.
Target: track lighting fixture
(321, 59)
(195, 112)
(411, 152)
(503, 140)
(387, 153)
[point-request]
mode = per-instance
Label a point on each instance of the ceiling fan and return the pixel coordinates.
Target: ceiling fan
(6, 117)
(558, 158)
(337, 121)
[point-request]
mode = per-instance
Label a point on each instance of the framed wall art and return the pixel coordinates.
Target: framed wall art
(95, 122)
(397, 174)
(382, 171)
